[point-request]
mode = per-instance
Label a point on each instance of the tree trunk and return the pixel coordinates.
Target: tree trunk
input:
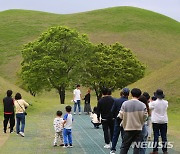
(61, 92)
(98, 94)
(32, 93)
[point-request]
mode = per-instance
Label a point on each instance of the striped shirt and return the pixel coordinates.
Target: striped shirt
(134, 114)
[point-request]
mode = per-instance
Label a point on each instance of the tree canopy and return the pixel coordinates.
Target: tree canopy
(48, 61)
(111, 66)
(62, 56)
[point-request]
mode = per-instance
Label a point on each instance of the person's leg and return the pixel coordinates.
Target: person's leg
(55, 139)
(70, 137)
(22, 122)
(106, 132)
(163, 131)
(122, 132)
(111, 128)
(137, 139)
(61, 137)
(156, 136)
(17, 124)
(75, 105)
(115, 134)
(127, 141)
(149, 128)
(79, 105)
(5, 122)
(65, 137)
(11, 122)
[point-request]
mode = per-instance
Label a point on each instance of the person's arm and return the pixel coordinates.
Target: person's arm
(145, 117)
(64, 119)
(80, 95)
(151, 105)
(26, 104)
(73, 95)
(98, 110)
(54, 124)
(121, 112)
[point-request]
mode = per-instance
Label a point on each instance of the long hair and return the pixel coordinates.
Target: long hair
(143, 99)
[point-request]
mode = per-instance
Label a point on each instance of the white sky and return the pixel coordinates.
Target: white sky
(169, 8)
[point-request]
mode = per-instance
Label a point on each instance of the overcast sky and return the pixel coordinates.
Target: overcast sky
(169, 8)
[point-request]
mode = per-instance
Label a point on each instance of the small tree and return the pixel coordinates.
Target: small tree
(111, 66)
(48, 62)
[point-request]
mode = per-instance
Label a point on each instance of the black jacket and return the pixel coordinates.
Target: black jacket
(8, 104)
(104, 108)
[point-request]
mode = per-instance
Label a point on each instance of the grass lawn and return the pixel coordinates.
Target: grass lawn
(153, 38)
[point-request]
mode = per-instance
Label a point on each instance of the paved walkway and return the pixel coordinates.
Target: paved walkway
(87, 140)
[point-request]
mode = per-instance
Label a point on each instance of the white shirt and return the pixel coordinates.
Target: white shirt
(69, 119)
(58, 124)
(94, 118)
(77, 94)
(159, 111)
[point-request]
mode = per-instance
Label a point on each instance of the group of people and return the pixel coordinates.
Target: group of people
(77, 97)
(14, 107)
(133, 119)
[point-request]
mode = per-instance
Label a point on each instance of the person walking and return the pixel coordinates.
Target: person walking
(115, 110)
(87, 98)
(20, 106)
(8, 104)
(133, 114)
(159, 120)
(104, 110)
(77, 99)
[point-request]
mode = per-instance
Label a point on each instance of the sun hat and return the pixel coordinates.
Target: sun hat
(159, 94)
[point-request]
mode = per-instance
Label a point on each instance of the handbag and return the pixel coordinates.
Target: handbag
(25, 113)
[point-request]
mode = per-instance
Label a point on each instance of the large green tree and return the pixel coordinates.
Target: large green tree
(111, 66)
(48, 62)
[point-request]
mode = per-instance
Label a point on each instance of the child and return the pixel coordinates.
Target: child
(67, 124)
(58, 127)
(94, 120)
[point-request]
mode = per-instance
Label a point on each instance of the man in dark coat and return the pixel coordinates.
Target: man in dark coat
(115, 110)
(104, 110)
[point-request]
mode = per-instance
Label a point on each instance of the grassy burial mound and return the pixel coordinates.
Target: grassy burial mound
(154, 39)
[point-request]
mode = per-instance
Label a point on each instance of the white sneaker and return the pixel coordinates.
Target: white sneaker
(112, 152)
(79, 113)
(107, 146)
(22, 134)
(74, 113)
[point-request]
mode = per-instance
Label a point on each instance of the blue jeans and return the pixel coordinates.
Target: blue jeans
(144, 135)
(117, 130)
(20, 119)
(67, 136)
(75, 105)
(162, 128)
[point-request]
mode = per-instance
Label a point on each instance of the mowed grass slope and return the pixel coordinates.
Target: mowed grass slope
(153, 38)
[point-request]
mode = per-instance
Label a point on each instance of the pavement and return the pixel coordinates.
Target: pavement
(87, 140)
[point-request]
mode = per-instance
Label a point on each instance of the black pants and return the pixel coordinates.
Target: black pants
(108, 128)
(129, 137)
(9, 117)
(162, 128)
